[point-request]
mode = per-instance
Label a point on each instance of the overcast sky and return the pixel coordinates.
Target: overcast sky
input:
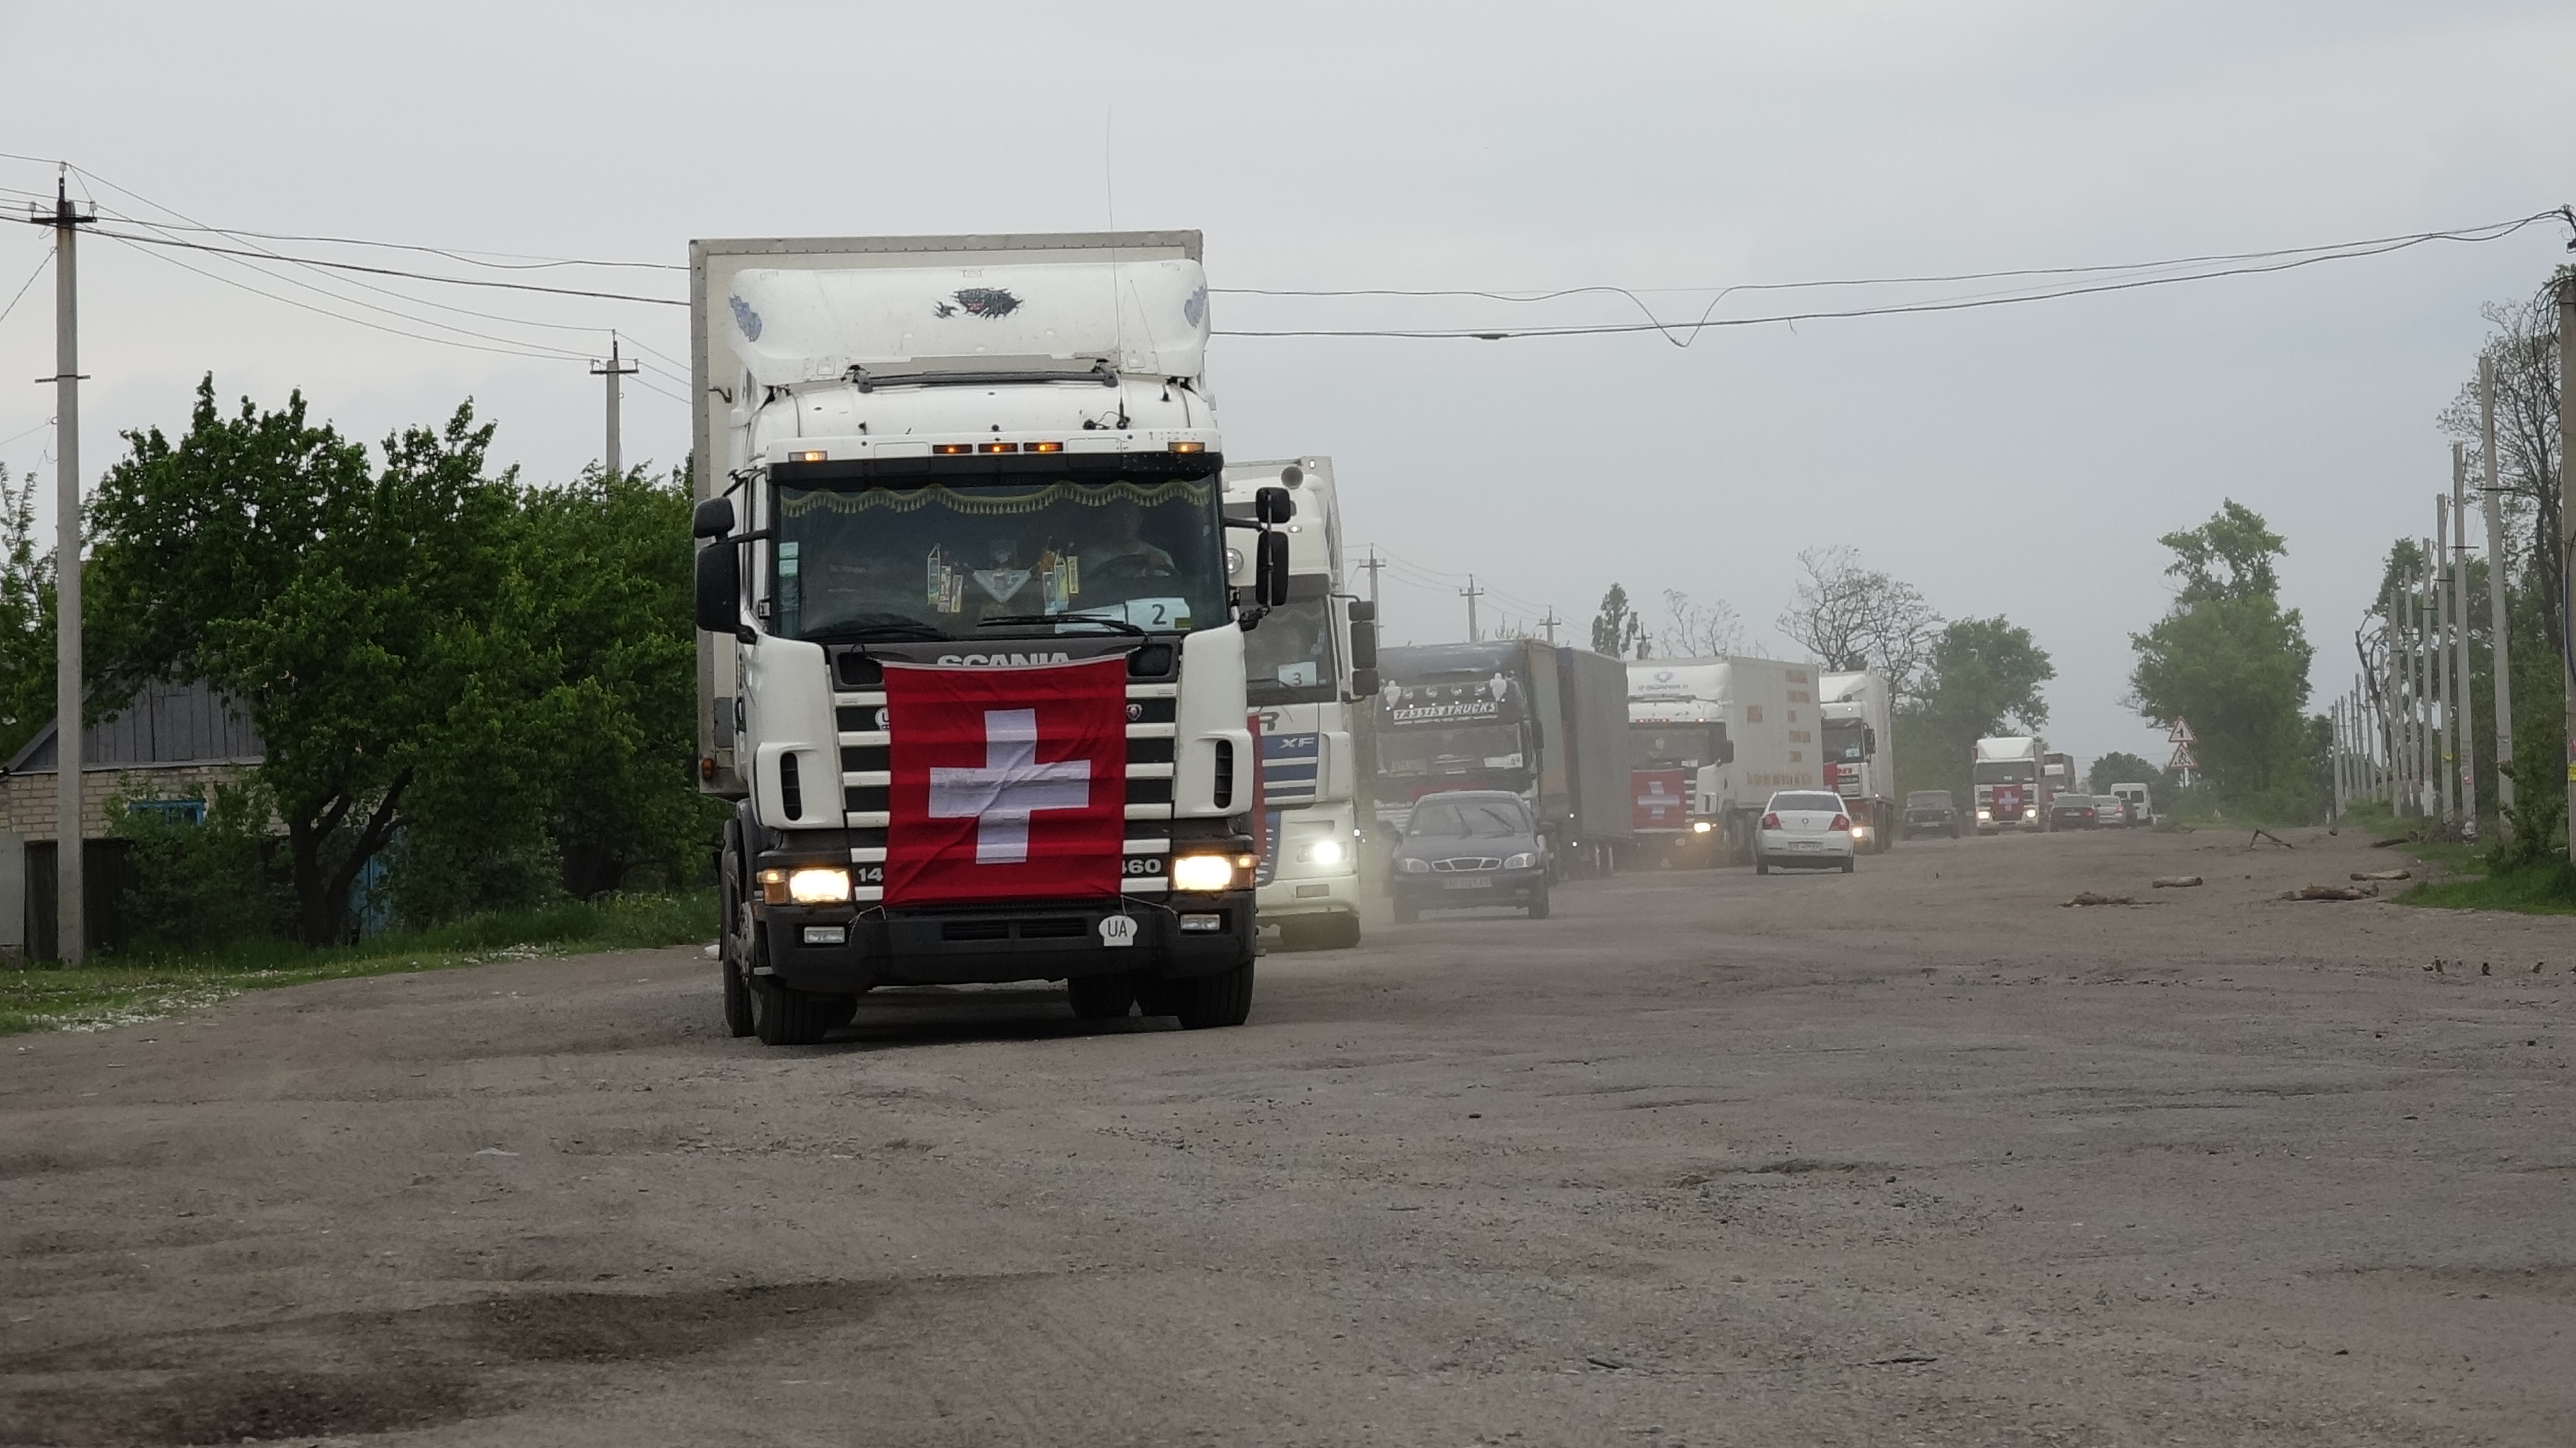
(2020, 460)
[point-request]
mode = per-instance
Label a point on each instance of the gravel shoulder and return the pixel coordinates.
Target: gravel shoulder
(1914, 1155)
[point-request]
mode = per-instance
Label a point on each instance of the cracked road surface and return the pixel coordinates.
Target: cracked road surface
(1909, 1156)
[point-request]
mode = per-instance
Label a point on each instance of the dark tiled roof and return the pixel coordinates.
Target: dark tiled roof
(167, 724)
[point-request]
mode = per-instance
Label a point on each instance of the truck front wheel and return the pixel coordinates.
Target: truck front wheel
(785, 1017)
(1223, 999)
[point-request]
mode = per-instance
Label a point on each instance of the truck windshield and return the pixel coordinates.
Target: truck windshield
(1416, 752)
(1846, 741)
(1288, 656)
(935, 561)
(1672, 746)
(2006, 771)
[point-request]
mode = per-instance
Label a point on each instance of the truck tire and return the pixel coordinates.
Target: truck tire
(737, 1000)
(1101, 997)
(784, 1017)
(840, 1010)
(1223, 999)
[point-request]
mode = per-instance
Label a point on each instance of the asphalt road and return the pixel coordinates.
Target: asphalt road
(1909, 1156)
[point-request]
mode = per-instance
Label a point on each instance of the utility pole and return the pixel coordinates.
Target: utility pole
(1373, 565)
(71, 915)
(1551, 623)
(1471, 593)
(2567, 519)
(2501, 652)
(612, 369)
(2464, 664)
(2419, 684)
(2447, 741)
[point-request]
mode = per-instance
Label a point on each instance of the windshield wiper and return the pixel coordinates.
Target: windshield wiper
(875, 626)
(1118, 625)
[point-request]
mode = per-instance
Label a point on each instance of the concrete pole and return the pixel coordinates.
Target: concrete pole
(2501, 651)
(2446, 739)
(71, 912)
(2567, 521)
(2464, 666)
(2420, 661)
(612, 462)
(1470, 593)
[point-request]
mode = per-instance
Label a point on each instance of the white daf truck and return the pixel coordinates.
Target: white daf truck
(1860, 755)
(1709, 739)
(971, 665)
(1311, 659)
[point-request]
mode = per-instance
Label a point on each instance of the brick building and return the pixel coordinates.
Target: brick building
(174, 742)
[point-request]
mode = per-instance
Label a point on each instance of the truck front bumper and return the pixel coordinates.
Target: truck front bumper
(1173, 938)
(1298, 898)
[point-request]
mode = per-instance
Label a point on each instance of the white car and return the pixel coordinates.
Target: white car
(1805, 827)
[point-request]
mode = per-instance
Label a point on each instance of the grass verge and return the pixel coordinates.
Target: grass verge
(125, 990)
(2546, 888)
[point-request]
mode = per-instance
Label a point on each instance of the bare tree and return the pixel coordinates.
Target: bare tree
(1852, 617)
(1700, 630)
(2524, 347)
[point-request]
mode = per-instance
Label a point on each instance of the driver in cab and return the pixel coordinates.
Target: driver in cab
(1123, 552)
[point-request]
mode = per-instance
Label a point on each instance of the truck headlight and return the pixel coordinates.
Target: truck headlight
(1701, 827)
(1985, 816)
(1524, 861)
(1202, 872)
(1322, 852)
(818, 887)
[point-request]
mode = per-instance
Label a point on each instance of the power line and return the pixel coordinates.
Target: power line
(396, 272)
(41, 263)
(31, 432)
(2296, 258)
(518, 261)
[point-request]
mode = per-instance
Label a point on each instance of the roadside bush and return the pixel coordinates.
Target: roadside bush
(200, 885)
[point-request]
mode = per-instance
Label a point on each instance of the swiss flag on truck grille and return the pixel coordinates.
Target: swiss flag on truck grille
(1006, 783)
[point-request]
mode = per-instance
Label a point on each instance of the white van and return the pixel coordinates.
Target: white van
(2135, 797)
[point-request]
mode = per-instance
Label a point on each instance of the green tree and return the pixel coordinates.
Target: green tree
(1979, 675)
(349, 609)
(2228, 658)
(2117, 767)
(1616, 629)
(26, 620)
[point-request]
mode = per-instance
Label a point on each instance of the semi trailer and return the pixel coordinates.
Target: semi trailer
(971, 658)
(1711, 738)
(1547, 723)
(1312, 659)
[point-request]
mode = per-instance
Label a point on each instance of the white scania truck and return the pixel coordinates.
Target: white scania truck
(1307, 663)
(2005, 772)
(1860, 754)
(1709, 740)
(971, 665)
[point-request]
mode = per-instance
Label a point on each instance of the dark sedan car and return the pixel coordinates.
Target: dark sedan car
(2074, 812)
(1465, 849)
(1930, 812)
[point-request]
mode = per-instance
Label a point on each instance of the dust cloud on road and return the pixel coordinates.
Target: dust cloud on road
(1909, 1156)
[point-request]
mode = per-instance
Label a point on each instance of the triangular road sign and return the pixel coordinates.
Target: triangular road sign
(2181, 733)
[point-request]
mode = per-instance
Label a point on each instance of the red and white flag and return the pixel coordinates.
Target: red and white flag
(1007, 783)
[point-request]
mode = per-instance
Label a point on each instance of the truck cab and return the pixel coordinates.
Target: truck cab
(1859, 739)
(971, 657)
(2005, 772)
(1306, 664)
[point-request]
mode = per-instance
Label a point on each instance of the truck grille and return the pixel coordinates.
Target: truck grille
(866, 784)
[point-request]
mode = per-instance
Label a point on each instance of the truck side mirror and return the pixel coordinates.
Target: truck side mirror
(1726, 751)
(1272, 506)
(713, 518)
(1270, 579)
(1363, 617)
(720, 583)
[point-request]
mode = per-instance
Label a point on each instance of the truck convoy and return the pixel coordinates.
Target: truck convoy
(1709, 740)
(2005, 772)
(1547, 723)
(1311, 659)
(971, 668)
(1860, 755)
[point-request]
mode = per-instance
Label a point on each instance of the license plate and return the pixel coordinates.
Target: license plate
(1806, 845)
(1477, 882)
